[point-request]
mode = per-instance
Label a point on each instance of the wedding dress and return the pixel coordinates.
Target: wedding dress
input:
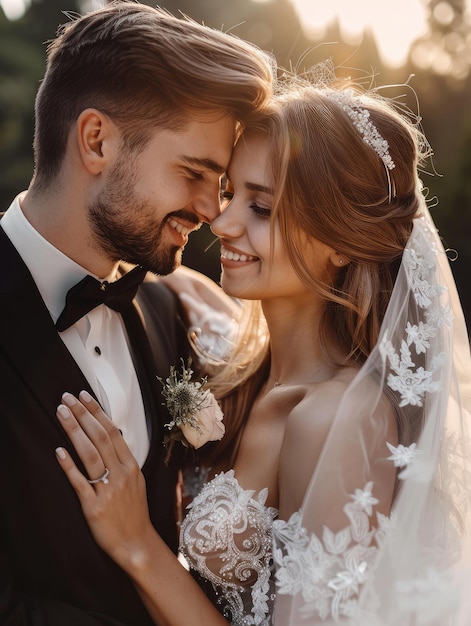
(226, 537)
(338, 559)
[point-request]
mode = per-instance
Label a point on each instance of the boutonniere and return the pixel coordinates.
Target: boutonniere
(196, 414)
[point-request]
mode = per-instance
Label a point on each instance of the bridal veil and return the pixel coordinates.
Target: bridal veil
(339, 560)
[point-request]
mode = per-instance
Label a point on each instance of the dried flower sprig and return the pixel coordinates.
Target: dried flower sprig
(196, 415)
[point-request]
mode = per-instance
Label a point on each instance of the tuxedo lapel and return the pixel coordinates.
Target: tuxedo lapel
(29, 337)
(157, 343)
(46, 548)
(153, 352)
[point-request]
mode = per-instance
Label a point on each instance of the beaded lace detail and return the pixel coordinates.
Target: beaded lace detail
(348, 576)
(226, 537)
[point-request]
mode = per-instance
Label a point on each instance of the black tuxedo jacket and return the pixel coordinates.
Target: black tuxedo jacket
(51, 571)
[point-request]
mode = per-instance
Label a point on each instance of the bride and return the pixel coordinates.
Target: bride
(340, 491)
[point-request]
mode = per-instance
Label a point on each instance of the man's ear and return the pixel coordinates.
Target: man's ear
(97, 139)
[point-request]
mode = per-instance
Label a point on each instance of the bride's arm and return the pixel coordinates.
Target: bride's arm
(119, 520)
(201, 289)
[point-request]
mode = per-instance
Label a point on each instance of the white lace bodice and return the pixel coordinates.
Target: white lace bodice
(226, 537)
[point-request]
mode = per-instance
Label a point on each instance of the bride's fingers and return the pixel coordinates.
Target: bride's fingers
(99, 428)
(96, 457)
(120, 446)
(78, 481)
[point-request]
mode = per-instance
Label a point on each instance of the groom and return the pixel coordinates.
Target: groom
(135, 121)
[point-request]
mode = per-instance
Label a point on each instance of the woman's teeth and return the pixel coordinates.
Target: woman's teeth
(235, 256)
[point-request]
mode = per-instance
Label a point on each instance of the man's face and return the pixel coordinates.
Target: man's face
(150, 201)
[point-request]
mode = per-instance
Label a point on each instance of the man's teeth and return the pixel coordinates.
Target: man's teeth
(183, 230)
(235, 256)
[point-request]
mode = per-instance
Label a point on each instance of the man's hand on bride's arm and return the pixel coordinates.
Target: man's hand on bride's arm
(115, 507)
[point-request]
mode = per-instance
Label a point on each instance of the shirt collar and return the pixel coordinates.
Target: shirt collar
(53, 272)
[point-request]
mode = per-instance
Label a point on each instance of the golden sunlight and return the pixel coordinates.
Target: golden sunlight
(395, 25)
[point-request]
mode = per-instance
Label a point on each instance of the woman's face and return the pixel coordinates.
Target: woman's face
(251, 268)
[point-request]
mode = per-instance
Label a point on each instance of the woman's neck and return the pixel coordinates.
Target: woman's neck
(296, 353)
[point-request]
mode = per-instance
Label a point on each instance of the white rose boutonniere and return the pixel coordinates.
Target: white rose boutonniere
(196, 414)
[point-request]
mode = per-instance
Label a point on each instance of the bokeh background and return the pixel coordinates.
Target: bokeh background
(388, 39)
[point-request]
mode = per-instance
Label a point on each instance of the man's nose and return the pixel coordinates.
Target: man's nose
(207, 205)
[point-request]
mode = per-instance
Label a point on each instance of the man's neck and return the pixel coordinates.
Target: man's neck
(64, 225)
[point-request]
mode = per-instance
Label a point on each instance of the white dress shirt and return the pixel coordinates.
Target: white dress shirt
(98, 341)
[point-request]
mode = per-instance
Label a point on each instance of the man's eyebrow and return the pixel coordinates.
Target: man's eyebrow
(262, 188)
(207, 164)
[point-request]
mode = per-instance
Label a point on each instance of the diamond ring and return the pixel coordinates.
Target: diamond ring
(103, 479)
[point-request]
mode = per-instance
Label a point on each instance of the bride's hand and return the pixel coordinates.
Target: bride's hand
(115, 504)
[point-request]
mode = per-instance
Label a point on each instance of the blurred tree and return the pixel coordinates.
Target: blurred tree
(22, 62)
(443, 110)
(446, 48)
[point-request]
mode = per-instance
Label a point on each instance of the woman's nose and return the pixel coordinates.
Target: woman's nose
(228, 223)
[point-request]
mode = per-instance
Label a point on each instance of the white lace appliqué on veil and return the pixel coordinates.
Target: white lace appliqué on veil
(410, 381)
(328, 572)
(226, 537)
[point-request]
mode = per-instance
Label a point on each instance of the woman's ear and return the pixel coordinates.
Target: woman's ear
(338, 259)
(96, 140)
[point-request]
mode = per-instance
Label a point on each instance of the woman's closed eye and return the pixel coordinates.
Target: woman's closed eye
(226, 196)
(261, 211)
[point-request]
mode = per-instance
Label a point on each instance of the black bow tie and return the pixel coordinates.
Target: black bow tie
(90, 293)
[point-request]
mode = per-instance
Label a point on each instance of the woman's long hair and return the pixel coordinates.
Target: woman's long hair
(333, 187)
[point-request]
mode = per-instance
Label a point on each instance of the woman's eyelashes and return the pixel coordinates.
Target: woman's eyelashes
(226, 196)
(260, 210)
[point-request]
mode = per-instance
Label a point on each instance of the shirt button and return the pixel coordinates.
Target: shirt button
(97, 350)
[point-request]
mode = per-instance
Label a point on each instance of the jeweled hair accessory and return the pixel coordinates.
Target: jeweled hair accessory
(322, 75)
(360, 117)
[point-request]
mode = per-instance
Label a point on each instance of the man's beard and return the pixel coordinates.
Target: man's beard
(125, 228)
